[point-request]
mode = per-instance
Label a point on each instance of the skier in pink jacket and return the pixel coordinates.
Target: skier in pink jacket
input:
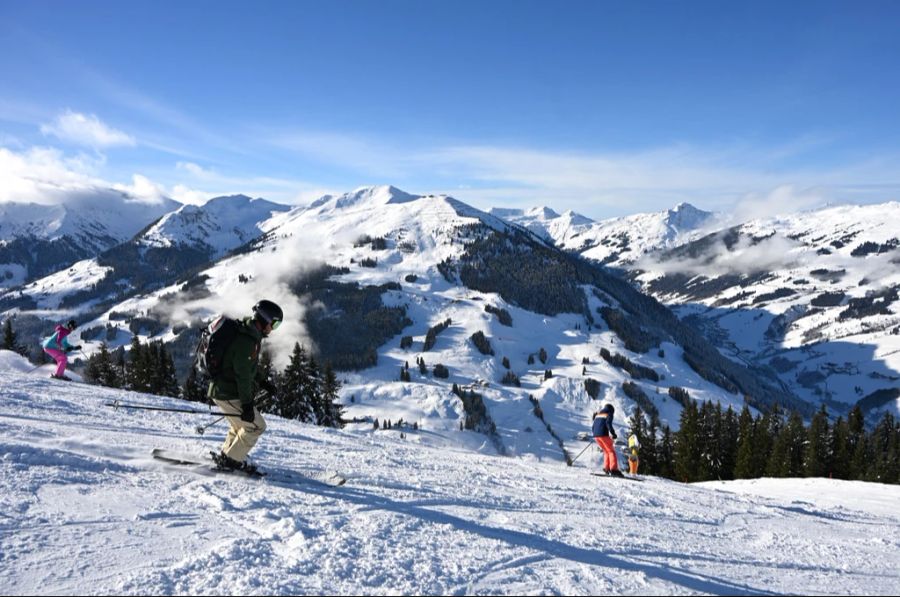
(57, 346)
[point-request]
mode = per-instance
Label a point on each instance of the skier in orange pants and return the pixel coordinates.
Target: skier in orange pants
(604, 434)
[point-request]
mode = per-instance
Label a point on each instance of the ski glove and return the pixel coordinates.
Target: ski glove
(247, 414)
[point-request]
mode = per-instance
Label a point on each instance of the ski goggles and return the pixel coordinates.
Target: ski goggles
(275, 323)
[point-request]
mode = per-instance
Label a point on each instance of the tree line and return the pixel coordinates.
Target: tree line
(304, 391)
(719, 444)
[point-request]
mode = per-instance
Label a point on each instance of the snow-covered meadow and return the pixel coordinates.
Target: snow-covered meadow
(86, 510)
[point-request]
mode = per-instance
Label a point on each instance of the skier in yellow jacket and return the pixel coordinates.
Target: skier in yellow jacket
(633, 461)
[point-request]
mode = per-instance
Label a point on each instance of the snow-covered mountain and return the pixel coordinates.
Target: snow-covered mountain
(189, 237)
(811, 294)
(814, 294)
(219, 225)
(370, 279)
(617, 241)
(85, 509)
(40, 239)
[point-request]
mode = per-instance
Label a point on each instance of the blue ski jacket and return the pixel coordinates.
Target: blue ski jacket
(603, 425)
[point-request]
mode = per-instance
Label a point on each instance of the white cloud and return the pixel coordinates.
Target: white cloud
(747, 256)
(281, 190)
(87, 130)
(194, 169)
(143, 189)
(47, 176)
(190, 196)
(42, 175)
(784, 199)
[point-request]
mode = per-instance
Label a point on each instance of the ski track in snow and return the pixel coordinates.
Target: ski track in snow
(86, 510)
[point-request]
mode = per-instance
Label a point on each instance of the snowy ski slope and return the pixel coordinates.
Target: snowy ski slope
(85, 510)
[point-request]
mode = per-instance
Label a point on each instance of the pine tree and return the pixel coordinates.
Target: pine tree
(666, 466)
(168, 382)
(817, 458)
(136, 376)
(728, 442)
(779, 464)
(265, 401)
(744, 466)
(293, 400)
(797, 436)
(312, 390)
(121, 367)
(840, 449)
(765, 430)
(333, 410)
(9, 336)
(11, 339)
(858, 445)
(650, 449)
(687, 445)
(709, 461)
(885, 466)
(101, 369)
(196, 387)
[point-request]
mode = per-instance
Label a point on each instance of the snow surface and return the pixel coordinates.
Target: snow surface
(85, 510)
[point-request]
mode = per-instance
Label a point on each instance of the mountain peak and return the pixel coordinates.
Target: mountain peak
(378, 195)
(227, 198)
(543, 212)
(685, 216)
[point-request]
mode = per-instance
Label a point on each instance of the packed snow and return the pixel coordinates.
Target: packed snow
(86, 510)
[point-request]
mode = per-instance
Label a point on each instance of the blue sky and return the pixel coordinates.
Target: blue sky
(607, 108)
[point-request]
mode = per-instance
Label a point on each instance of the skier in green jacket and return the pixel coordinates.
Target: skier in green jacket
(233, 389)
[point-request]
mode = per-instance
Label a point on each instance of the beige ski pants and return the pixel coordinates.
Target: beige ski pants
(242, 436)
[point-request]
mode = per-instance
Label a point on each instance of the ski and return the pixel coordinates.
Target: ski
(174, 458)
(326, 478)
(626, 477)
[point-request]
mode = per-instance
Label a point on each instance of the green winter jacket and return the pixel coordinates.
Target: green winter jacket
(239, 366)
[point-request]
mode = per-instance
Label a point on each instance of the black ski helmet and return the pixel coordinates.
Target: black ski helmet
(71, 324)
(608, 409)
(268, 312)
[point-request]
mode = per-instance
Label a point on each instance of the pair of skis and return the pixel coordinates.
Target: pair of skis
(625, 477)
(327, 478)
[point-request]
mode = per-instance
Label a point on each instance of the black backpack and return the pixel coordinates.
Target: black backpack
(214, 341)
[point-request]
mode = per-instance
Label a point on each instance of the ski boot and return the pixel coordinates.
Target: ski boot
(225, 463)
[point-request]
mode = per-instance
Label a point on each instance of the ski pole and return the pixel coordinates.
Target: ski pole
(580, 453)
(117, 405)
(201, 428)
